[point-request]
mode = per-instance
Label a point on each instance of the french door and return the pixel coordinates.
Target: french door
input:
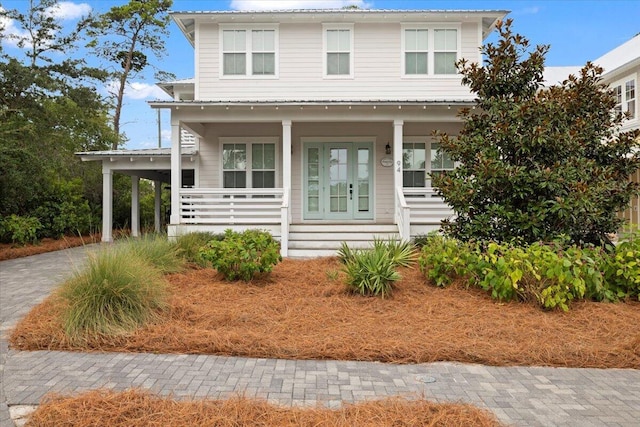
(338, 180)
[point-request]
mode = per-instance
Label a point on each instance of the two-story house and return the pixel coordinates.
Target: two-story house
(314, 124)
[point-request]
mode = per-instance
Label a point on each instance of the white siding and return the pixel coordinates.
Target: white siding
(377, 68)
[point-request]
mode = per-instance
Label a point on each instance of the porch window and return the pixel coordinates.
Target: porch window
(445, 51)
(263, 165)
(440, 160)
(249, 165)
(234, 165)
(416, 43)
(338, 56)
(617, 94)
(413, 164)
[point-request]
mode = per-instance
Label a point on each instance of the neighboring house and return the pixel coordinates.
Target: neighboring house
(314, 124)
(622, 72)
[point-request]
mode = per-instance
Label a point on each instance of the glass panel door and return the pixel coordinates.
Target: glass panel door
(338, 181)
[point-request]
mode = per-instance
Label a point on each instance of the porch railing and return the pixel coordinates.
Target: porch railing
(403, 215)
(420, 206)
(226, 206)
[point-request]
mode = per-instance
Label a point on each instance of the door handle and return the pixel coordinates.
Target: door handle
(350, 191)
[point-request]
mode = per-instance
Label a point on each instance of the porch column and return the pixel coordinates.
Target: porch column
(135, 205)
(176, 173)
(157, 185)
(107, 204)
(286, 185)
(286, 154)
(397, 159)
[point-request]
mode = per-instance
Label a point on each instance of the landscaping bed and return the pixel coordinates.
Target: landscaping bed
(11, 251)
(301, 311)
(134, 408)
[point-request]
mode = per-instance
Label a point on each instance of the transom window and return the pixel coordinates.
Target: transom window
(338, 56)
(429, 51)
(249, 165)
(249, 52)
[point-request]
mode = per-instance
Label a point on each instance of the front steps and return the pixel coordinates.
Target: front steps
(316, 240)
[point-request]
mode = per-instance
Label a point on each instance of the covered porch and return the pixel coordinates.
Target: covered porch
(310, 171)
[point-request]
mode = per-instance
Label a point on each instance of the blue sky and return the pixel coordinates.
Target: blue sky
(577, 31)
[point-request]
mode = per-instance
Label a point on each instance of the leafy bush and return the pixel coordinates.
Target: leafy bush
(115, 293)
(546, 273)
(371, 272)
(191, 243)
(156, 250)
(420, 240)
(622, 270)
(242, 255)
(64, 210)
(402, 253)
(20, 229)
(443, 260)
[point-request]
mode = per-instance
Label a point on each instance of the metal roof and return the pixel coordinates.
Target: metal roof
(272, 11)
(146, 152)
(321, 102)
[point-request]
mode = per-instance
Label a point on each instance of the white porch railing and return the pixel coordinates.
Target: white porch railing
(228, 206)
(403, 218)
(421, 209)
(222, 208)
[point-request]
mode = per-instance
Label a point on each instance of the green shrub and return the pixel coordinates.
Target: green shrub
(191, 243)
(622, 270)
(443, 260)
(402, 253)
(115, 293)
(64, 210)
(420, 240)
(371, 272)
(549, 274)
(20, 229)
(242, 255)
(156, 250)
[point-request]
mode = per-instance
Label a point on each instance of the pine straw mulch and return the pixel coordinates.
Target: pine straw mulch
(135, 408)
(301, 311)
(10, 251)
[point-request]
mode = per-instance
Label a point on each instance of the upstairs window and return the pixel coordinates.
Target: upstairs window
(630, 97)
(624, 93)
(429, 50)
(416, 51)
(234, 47)
(338, 56)
(249, 52)
(445, 51)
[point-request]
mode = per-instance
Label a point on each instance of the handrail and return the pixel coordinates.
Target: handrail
(285, 220)
(403, 216)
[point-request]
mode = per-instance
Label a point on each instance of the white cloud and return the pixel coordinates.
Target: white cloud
(294, 4)
(139, 90)
(66, 10)
(528, 11)
(165, 134)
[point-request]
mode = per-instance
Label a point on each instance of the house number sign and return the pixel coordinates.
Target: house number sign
(386, 162)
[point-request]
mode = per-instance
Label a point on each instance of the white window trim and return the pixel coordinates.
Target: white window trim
(249, 141)
(427, 141)
(326, 27)
(248, 51)
(430, 49)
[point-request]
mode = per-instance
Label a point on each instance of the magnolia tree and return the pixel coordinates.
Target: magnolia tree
(537, 163)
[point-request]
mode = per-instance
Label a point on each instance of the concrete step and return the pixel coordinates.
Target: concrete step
(340, 228)
(311, 253)
(313, 236)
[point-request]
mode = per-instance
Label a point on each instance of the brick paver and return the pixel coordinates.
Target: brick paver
(522, 396)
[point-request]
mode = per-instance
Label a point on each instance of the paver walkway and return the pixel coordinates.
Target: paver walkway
(522, 396)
